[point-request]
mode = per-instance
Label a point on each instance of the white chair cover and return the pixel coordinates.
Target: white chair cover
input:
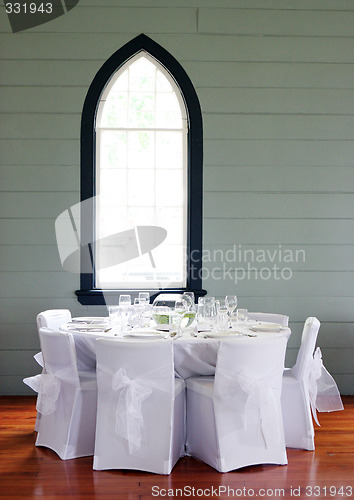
(141, 407)
(280, 319)
(307, 387)
(52, 319)
(67, 405)
(235, 419)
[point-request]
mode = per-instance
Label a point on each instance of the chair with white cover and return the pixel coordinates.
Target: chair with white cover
(53, 319)
(307, 386)
(141, 407)
(66, 402)
(234, 419)
(280, 319)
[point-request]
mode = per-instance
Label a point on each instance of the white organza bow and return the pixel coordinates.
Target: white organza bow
(323, 391)
(129, 420)
(48, 387)
(253, 402)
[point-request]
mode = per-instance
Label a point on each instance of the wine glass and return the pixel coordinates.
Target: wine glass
(139, 306)
(114, 319)
(209, 312)
(145, 296)
(189, 298)
(125, 301)
(231, 304)
(177, 316)
(222, 310)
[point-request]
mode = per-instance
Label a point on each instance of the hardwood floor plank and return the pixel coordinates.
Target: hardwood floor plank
(31, 472)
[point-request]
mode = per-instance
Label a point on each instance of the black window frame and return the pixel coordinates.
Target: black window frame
(88, 294)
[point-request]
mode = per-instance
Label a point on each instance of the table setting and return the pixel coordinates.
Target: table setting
(173, 316)
(196, 329)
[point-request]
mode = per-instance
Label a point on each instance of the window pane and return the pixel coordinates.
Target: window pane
(169, 149)
(141, 172)
(169, 188)
(141, 149)
(141, 187)
(168, 113)
(113, 149)
(162, 84)
(141, 110)
(116, 110)
(142, 75)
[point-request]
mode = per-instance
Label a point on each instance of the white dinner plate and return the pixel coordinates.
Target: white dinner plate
(91, 320)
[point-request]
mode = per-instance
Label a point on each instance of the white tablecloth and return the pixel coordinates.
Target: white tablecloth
(193, 356)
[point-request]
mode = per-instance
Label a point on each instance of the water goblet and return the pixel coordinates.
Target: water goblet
(139, 306)
(189, 297)
(124, 304)
(125, 300)
(221, 310)
(178, 315)
(145, 296)
(231, 301)
(115, 320)
(210, 313)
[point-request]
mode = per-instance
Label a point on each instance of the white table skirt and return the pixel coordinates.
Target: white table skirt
(192, 356)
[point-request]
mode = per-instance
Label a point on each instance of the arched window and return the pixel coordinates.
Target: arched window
(141, 177)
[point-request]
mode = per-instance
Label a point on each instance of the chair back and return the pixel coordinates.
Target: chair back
(135, 382)
(280, 319)
(59, 354)
(247, 391)
(307, 347)
(248, 356)
(53, 318)
(138, 359)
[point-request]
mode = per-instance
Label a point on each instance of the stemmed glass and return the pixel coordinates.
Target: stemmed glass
(209, 312)
(124, 303)
(177, 316)
(114, 319)
(222, 310)
(145, 296)
(139, 306)
(231, 304)
(189, 298)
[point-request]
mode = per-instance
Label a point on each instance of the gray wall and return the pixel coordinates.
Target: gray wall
(275, 80)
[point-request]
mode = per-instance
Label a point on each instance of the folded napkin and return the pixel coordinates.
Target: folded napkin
(266, 327)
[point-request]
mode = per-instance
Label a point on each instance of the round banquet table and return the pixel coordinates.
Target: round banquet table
(193, 356)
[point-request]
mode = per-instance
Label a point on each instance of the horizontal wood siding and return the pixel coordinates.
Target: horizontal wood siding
(275, 80)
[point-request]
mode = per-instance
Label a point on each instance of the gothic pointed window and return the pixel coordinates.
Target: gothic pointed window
(141, 165)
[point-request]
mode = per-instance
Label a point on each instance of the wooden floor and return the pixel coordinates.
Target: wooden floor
(29, 472)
